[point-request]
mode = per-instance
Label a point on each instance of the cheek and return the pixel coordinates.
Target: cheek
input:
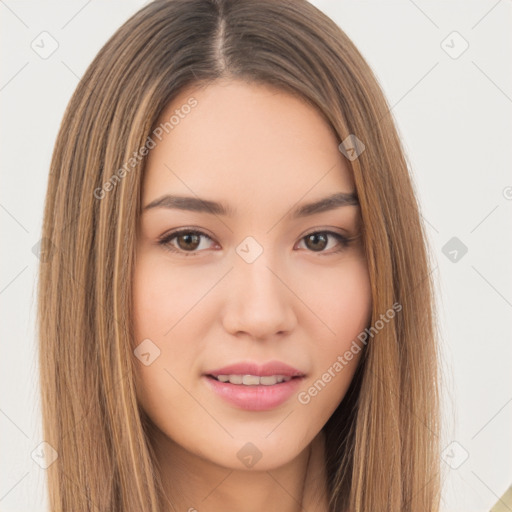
(340, 298)
(149, 299)
(160, 299)
(163, 295)
(165, 301)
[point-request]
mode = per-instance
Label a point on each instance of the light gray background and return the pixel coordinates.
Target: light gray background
(454, 115)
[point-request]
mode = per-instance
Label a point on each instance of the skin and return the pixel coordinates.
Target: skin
(262, 152)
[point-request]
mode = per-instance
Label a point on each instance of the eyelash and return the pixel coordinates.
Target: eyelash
(165, 241)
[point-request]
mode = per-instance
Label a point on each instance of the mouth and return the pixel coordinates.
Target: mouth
(253, 380)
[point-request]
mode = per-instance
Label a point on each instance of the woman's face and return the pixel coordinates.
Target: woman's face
(255, 280)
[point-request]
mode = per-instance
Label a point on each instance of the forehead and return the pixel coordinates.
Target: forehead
(252, 141)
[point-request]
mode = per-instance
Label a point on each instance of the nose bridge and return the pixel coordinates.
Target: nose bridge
(256, 278)
(259, 303)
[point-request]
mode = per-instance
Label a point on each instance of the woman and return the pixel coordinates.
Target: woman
(238, 314)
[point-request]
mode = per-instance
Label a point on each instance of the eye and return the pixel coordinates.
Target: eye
(317, 241)
(188, 241)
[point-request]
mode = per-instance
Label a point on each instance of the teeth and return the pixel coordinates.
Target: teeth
(253, 380)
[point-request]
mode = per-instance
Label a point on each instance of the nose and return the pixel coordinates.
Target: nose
(260, 303)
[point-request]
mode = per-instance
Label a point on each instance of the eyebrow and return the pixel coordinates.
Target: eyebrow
(196, 204)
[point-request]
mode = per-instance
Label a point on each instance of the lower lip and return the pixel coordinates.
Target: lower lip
(254, 398)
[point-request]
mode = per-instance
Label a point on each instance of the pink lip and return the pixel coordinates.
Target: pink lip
(250, 368)
(254, 398)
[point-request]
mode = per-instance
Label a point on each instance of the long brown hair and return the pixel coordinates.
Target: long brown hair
(382, 441)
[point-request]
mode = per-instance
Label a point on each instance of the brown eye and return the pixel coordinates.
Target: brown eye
(185, 242)
(188, 241)
(319, 240)
(316, 241)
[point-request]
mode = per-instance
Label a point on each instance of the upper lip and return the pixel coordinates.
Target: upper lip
(261, 370)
